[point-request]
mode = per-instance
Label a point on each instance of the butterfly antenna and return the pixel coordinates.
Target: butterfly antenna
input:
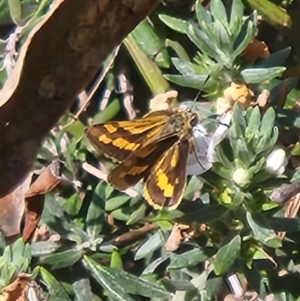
(199, 92)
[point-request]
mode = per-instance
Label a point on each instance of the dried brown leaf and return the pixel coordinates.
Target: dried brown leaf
(34, 198)
(163, 101)
(256, 50)
(236, 92)
(12, 208)
(16, 291)
(175, 237)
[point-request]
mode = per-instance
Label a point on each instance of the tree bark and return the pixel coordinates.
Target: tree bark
(59, 58)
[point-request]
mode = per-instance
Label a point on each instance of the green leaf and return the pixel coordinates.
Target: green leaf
(17, 251)
(257, 75)
(179, 285)
(116, 202)
(122, 214)
(83, 291)
(218, 11)
(54, 217)
(274, 59)
(55, 288)
(76, 129)
(112, 285)
(253, 127)
(192, 185)
(188, 68)
(174, 23)
(236, 14)
(186, 259)
(241, 153)
(96, 214)
(110, 111)
(119, 282)
(137, 215)
(150, 245)
(109, 189)
(7, 271)
(7, 253)
(279, 224)
(212, 286)
(203, 15)
(191, 81)
(244, 37)
(116, 260)
(154, 265)
(288, 85)
(226, 255)
(15, 9)
(72, 205)
(139, 286)
(61, 260)
(271, 12)
(203, 42)
(148, 40)
(40, 248)
(262, 232)
(206, 213)
(223, 41)
(148, 69)
(178, 49)
(268, 123)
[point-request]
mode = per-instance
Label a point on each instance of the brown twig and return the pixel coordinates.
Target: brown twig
(282, 194)
(134, 234)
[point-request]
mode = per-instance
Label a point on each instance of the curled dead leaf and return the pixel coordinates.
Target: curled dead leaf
(180, 232)
(175, 237)
(263, 98)
(34, 198)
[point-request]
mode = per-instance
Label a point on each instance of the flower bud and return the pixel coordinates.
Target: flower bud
(241, 177)
(276, 162)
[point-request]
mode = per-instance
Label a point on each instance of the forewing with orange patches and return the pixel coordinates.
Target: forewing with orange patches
(165, 184)
(138, 165)
(118, 139)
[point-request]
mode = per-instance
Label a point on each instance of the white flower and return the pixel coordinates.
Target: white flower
(202, 158)
(276, 162)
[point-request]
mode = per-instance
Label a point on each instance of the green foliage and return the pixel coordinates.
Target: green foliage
(220, 39)
(15, 259)
(109, 245)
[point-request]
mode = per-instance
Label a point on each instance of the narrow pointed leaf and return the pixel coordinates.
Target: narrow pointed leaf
(226, 255)
(115, 290)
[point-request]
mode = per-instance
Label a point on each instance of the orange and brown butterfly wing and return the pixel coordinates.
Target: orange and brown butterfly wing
(138, 165)
(165, 184)
(118, 139)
